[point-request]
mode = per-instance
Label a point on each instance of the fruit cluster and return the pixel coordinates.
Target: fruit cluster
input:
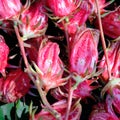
(66, 49)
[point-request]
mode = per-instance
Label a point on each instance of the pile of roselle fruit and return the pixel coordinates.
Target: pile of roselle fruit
(59, 60)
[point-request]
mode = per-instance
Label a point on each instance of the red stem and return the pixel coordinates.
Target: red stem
(103, 40)
(21, 44)
(70, 90)
(70, 93)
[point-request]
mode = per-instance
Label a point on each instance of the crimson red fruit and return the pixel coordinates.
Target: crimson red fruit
(33, 21)
(113, 94)
(83, 58)
(50, 65)
(4, 51)
(15, 86)
(101, 113)
(115, 100)
(76, 19)
(111, 23)
(62, 8)
(84, 54)
(114, 61)
(102, 5)
(9, 8)
(84, 89)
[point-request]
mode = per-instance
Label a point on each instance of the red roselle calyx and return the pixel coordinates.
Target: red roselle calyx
(76, 19)
(101, 113)
(9, 9)
(111, 23)
(61, 8)
(50, 65)
(15, 86)
(60, 106)
(113, 99)
(4, 51)
(114, 61)
(116, 99)
(33, 21)
(113, 91)
(102, 5)
(84, 89)
(112, 88)
(84, 54)
(83, 58)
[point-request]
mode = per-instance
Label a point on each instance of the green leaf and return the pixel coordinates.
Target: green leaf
(5, 111)
(21, 109)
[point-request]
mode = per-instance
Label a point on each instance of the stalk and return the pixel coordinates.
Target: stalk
(21, 45)
(103, 40)
(70, 90)
(70, 93)
(44, 99)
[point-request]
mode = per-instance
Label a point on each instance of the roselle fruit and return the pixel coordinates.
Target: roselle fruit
(102, 5)
(84, 53)
(83, 58)
(9, 9)
(61, 8)
(115, 100)
(60, 107)
(14, 86)
(114, 61)
(112, 90)
(111, 23)
(4, 52)
(50, 65)
(84, 89)
(100, 112)
(76, 19)
(33, 21)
